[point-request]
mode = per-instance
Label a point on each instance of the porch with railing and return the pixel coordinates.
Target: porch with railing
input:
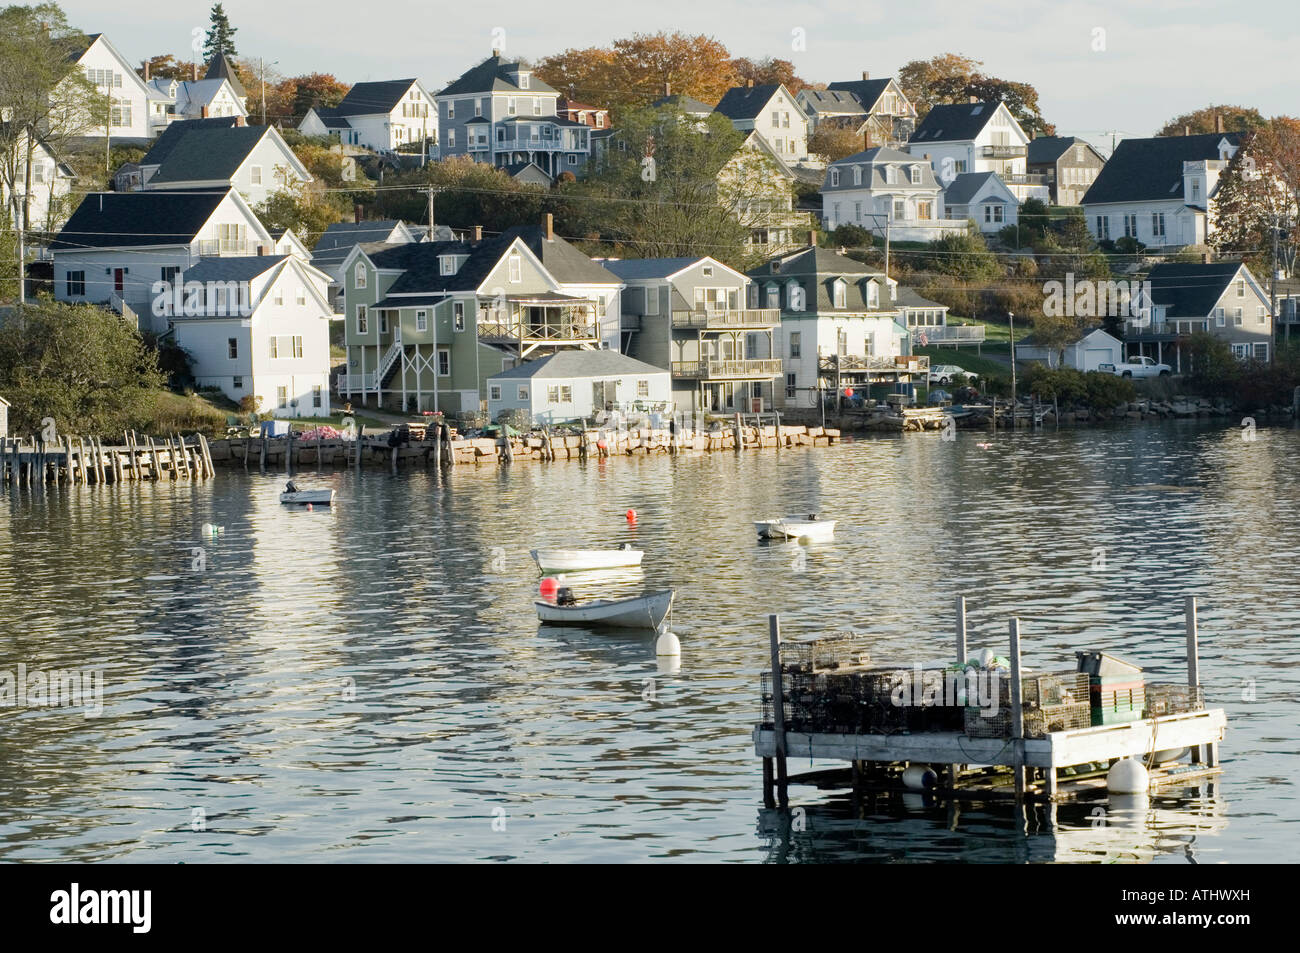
(708, 369)
(726, 318)
(529, 323)
(926, 335)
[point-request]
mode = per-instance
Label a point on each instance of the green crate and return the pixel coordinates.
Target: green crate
(1111, 681)
(1106, 716)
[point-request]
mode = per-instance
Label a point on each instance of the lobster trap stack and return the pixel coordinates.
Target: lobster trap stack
(1050, 702)
(1162, 700)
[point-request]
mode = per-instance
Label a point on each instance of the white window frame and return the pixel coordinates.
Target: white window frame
(359, 275)
(444, 360)
(422, 320)
(363, 320)
(515, 265)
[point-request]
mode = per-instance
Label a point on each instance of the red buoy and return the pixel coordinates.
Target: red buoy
(600, 444)
(631, 516)
(548, 587)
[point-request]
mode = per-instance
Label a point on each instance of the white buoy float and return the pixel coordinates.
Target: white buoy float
(919, 778)
(1128, 777)
(667, 643)
(210, 529)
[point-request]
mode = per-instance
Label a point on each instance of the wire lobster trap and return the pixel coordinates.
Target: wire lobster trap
(1039, 720)
(825, 653)
(1172, 700)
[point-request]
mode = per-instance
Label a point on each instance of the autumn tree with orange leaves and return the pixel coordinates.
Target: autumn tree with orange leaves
(1260, 191)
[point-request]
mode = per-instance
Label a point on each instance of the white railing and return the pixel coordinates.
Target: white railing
(386, 362)
(963, 333)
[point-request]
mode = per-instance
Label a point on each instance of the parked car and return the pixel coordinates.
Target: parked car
(945, 373)
(1137, 367)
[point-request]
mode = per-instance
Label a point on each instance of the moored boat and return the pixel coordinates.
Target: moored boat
(796, 527)
(293, 495)
(637, 612)
(586, 560)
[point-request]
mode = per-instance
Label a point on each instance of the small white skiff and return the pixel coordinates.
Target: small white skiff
(796, 527)
(293, 495)
(585, 560)
(639, 612)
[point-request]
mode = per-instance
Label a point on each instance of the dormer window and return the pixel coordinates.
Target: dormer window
(857, 175)
(773, 293)
(873, 295)
(523, 80)
(448, 264)
(840, 293)
(835, 177)
(916, 175)
(889, 175)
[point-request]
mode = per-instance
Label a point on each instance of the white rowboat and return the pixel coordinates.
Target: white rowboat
(796, 527)
(318, 497)
(638, 612)
(583, 560)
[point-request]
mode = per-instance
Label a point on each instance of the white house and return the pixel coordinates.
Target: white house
(563, 386)
(839, 322)
(288, 243)
(254, 159)
(875, 107)
(257, 326)
(50, 186)
(117, 245)
(115, 77)
(773, 113)
(379, 115)
(1092, 349)
(982, 197)
(178, 99)
(1159, 191)
(978, 137)
(884, 186)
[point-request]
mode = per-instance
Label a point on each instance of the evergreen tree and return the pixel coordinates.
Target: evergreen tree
(220, 37)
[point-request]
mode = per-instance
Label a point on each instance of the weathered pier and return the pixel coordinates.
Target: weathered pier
(440, 448)
(1023, 762)
(35, 461)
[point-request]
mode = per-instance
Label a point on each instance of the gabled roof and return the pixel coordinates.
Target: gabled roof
(838, 101)
(746, 102)
(817, 269)
(566, 264)
(222, 68)
(866, 91)
(880, 154)
(200, 92)
(687, 104)
(572, 363)
(176, 131)
(967, 185)
(78, 48)
(1050, 148)
(203, 155)
(905, 297)
(129, 219)
(365, 99)
(632, 269)
(1144, 170)
(1031, 340)
(529, 173)
(956, 123)
(235, 268)
(1191, 290)
(347, 234)
(813, 260)
(493, 75)
(330, 118)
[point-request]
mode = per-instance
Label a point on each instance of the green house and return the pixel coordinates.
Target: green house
(428, 323)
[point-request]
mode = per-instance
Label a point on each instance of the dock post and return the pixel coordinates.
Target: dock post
(961, 631)
(778, 708)
(1193, 662)
(81, 460)
(318, 447)
(261, 461)
(206, 457)
(740, 436)
(69, 473)
(1017, 714)
(288, 451)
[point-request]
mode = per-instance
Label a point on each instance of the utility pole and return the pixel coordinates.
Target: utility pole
(430, 191)
(1272, 304)
(261, 62)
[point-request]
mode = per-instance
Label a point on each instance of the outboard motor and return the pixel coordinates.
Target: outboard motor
(564, 597)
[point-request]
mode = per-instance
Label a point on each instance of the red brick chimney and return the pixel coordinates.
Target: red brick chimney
(241, 121)
(356, 213)
(749, 84)
(477, 233)
(203, 112)
(1218, 122)
(548, 226)
(974, 99)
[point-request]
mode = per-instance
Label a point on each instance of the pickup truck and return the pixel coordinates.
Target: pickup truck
(1137, 367)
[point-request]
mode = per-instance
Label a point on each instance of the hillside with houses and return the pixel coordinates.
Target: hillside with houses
(574, 234)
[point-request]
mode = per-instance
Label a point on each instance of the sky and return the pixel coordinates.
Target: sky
(1102, 70)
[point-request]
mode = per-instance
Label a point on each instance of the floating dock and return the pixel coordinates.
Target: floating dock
(1056, 766)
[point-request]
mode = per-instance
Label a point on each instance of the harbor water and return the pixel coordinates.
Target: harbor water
(369, 682)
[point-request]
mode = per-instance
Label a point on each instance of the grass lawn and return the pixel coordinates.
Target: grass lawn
(336, 421)
(967, 360)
